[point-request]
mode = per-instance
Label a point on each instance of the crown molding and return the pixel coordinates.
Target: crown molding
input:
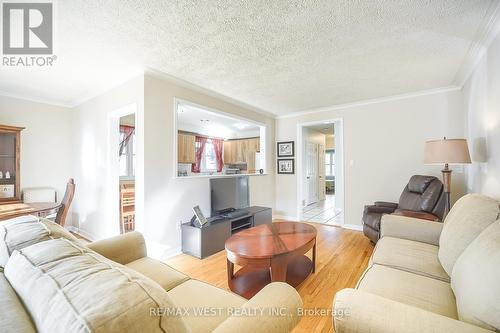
(370, 101)
(189, 85)
(485, 35)
(35, 99)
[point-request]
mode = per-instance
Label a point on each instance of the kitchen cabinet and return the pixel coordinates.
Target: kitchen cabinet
(186, 148)
(241, 151)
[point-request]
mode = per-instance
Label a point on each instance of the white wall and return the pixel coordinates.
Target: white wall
(482, 106)
(46, 142)
(383, 146)
(96, 203)
(169, 200)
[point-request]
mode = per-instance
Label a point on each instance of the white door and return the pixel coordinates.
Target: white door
(311, 173)
(321, 172)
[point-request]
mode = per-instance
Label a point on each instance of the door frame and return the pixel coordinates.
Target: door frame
(339, 165)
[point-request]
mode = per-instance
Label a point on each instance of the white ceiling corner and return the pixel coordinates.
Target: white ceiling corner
(278, 57)
(489, 28)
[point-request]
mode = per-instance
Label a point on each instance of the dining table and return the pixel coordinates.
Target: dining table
(40, 209)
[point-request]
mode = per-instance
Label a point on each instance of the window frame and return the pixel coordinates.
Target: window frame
(330, 156)
(129, 153)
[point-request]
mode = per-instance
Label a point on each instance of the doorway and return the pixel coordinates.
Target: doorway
(320, 170)
(124, 147)
(127, 161)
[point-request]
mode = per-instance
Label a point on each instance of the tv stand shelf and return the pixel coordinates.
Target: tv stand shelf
(211, 238)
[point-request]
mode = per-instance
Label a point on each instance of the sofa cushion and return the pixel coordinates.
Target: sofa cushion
(161, 273)
(475, 280)
(69, 288)
(23, 231)
(470, 215)
(411, 256)
(408, 288)
(14, 317)
(194, 295)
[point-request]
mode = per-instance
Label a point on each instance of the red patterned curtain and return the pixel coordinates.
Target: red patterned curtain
(127, 135)
(218, 144)
(200, 143)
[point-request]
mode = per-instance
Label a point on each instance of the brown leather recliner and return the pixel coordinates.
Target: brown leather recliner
(422, 198)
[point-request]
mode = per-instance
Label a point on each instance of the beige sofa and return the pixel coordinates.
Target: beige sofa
(51, 282)
(430, 277)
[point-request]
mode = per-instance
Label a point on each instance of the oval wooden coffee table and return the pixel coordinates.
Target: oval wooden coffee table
(269, 253)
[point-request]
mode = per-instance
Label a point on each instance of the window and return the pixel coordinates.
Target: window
(127, 158)
(208, 160)
(330, 164)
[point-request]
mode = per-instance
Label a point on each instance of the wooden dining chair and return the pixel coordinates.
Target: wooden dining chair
(62, 212)
(127, 208)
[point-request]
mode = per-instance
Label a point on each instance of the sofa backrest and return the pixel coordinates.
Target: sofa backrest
(470, 215)
(475, 280)
(423, 194)
(23, 231)
(67, 287)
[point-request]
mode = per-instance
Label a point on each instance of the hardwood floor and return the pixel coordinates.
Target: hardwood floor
(342, 256)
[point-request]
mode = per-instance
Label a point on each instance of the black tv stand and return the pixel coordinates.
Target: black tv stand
(210, 239)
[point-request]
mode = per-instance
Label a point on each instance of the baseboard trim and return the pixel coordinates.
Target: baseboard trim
(173, 252)
(84, 234)
(356, 227)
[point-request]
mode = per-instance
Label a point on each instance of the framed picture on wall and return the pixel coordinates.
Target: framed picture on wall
(286, 166)
(285, 149)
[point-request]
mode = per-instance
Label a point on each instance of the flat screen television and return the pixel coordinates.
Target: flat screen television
(228, 193)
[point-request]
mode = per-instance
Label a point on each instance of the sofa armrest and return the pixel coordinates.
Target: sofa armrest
(362, 312)
(410, 228)
(392, 205)
(122, 249)
(274, 309)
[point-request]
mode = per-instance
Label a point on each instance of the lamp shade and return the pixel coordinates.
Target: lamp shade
(451, 151)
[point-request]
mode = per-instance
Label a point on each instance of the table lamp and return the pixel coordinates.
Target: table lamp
(447, 151)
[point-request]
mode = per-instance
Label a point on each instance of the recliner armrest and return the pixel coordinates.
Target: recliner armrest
(417, 215)
(122, 249)
(410, 228)
(362, 312)
(386, 204)
(378, 209)
(273, 309)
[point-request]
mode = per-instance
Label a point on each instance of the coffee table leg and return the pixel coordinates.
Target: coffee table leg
(314, 257)
(278, 270)
(230, 270)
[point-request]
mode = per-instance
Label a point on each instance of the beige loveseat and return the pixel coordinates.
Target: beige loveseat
(51, 282)
(430, 277)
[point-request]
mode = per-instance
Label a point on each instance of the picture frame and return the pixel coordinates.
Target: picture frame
(285, 149)
(199, 220)
(286, 166)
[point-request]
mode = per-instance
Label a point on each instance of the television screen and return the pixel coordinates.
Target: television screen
(228, 192)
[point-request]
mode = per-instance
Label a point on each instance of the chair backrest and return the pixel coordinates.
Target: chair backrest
(423, 194)
(66, 202)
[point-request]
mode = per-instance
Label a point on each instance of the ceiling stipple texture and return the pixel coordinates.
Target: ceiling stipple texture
(280, 56)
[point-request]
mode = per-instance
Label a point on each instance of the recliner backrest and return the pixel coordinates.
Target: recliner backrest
(423, 193)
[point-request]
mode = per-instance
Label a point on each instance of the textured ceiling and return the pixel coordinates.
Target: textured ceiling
(280, 56)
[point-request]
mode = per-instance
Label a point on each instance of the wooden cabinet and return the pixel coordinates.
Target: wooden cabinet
(10, 162)
(186, 148)
(241, 151)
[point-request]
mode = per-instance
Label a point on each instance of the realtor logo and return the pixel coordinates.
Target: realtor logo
(27, 28)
